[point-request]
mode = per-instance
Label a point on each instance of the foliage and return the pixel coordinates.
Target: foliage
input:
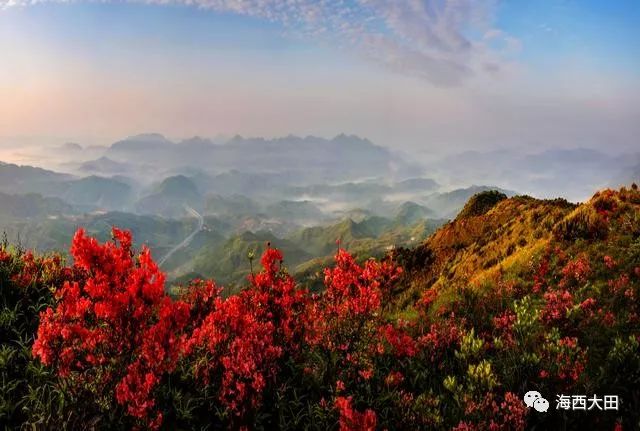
(560, 316)
(29, 395)
(481, 202)
(114, 334)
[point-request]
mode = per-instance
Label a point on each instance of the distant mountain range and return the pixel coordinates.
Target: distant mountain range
(105, 165)
(371, 221)
(16, 179)
(571, 173)
(328, 160)
(301, 194)
(259, 166)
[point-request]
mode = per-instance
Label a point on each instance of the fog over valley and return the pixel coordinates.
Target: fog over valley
(203, 204)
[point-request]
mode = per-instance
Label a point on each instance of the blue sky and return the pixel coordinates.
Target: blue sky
(604, 32)
(421, 76)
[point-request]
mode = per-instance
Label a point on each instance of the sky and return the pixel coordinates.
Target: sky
(422, 77)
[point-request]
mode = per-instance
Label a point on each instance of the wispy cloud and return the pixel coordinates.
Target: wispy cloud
(442, 41)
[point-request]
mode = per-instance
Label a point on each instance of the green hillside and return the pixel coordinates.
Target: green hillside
(229, 261)
(31, 205)
(54, 233)
(94, 191)
(170, 197)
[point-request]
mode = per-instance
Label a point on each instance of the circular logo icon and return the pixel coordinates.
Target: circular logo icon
(530, 397)
(541, 405)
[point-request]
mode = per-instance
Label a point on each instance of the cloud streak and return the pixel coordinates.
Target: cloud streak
(442, 41)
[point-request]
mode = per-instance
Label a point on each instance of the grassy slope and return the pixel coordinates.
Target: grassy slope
(476, 250)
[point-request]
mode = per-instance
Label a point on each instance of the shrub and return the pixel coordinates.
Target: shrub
(584, 223)
(113, 335)
(114, 351)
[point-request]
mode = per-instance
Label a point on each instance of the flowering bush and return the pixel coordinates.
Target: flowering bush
(240, 344)
(114, 333)
(29, 394)
(353, 420)
(114, 351)
(343, 323)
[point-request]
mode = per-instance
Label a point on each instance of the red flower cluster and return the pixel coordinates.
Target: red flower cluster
(578, 270)
(506, 415)
(29, 270)
(353, 420)
(503, 324)
(4, 256)
(619, 284)
(114, 331)
(232, 344)
(354, 295)
(428, 297)
(609, 262)
(557, 305)
(588, 307)
(440, 337)
(543, 268)
(242, 337)
(47, 270)
(276, 298)
(401, 344)
(570, 360)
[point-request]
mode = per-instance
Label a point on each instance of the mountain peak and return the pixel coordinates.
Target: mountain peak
(178, 185)
(148, 137)
(196, 140)
(410, 212)
(481, 203)
(145, 141)
(342, 137)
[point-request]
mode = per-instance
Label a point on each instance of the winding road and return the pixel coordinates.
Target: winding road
(188, 239)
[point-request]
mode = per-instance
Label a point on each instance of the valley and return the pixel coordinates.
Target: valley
(204, 207)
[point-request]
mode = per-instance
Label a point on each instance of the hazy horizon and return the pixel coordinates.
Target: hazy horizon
(418, 77)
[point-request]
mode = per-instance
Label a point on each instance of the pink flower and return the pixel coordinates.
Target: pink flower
(609, 262)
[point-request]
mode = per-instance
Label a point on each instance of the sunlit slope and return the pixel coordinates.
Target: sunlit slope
(494, 235)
